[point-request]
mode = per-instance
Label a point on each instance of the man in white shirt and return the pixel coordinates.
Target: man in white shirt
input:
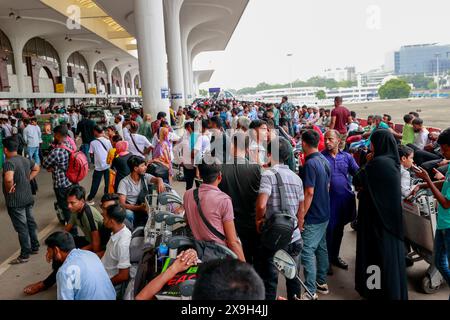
(421, 134)
(99, 149)
(116, 258)
(118, 125)
(130, 188)
(138, 145)
(73, 120)
(33, 138)
(37, 112)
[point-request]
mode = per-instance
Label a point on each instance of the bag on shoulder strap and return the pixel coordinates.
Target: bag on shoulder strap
(78, 164)
(277, 231)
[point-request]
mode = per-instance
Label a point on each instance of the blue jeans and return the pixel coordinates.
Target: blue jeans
(25, 226)
(33, 154)
(442, 252)
(130, 216)
(314, 255)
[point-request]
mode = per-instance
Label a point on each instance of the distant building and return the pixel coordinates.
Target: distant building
(375, 78)
(419, 59)
(339, 74)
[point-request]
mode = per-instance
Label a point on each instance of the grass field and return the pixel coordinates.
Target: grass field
(434, 112)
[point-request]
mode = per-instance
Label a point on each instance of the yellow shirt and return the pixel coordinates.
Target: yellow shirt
(111, 156)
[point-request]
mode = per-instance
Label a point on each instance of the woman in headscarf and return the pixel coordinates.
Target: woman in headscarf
(161, 154)
(120, 163)
(380, 250)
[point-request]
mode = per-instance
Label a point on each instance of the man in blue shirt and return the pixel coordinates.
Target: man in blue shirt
(316, 177)
(82, 275)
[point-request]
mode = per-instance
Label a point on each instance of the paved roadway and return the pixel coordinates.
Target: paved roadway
(14, 278)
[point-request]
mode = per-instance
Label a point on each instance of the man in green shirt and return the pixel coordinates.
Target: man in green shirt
(441, 191)
(88, 219)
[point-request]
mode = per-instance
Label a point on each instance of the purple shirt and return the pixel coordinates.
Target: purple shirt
(342, 198)
(217, 208)
(341, 167)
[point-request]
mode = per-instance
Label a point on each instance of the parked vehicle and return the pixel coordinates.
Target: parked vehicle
(101, 116)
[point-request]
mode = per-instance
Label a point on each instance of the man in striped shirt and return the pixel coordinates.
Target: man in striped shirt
(57, 163)
(17, 173)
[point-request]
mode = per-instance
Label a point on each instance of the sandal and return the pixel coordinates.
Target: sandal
(34, 288)
(19, 260)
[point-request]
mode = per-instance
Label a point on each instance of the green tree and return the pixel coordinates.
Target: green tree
(321, 95)
(431, 85)
(419, 81)
(395, 89)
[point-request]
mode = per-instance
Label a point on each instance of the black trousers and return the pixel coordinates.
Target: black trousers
(96, 180)
(250, 242)
(422, 156)
(61, 199)
(334, 241)
(269, 274)
(189, 176)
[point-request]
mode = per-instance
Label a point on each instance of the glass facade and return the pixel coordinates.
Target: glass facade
(423, 59)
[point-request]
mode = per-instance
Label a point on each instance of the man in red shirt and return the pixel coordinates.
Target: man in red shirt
(340, 118)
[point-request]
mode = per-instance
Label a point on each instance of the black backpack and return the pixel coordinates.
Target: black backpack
(277, 231)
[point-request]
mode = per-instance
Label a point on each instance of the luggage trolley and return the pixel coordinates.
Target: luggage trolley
(158, 207)
(419, 216)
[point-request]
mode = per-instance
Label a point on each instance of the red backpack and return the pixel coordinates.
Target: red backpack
(78, 165)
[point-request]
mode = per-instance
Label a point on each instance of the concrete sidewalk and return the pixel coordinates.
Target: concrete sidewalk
(341, 284)
(14, 278)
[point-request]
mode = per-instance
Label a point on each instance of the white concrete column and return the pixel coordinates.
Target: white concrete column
(187, 90)
(111, 84)
(91, 76)
(151, 45)
(191, 79)
(174, 54)
(17, 47)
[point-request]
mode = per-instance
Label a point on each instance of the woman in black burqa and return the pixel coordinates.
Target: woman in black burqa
(380, 224)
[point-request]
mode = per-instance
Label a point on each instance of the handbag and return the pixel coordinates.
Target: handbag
(158, 170)
(277, 231)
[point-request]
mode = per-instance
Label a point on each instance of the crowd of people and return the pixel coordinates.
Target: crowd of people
(244, 164)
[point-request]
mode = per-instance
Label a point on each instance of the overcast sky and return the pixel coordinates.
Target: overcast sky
(321, 34)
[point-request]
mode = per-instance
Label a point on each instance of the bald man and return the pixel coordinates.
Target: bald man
(342, 198)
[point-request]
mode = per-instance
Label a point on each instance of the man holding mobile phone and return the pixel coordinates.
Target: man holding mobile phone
(441, 191)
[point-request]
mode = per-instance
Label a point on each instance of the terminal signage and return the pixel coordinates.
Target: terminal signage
(164, 93)
(59, 88)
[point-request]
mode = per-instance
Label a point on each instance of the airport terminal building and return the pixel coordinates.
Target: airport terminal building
(65, 52)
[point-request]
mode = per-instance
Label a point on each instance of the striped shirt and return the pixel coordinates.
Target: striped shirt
(23, 196)
(294, 192)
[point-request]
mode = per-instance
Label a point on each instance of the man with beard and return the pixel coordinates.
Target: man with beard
(82, 275)
(342, 198)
